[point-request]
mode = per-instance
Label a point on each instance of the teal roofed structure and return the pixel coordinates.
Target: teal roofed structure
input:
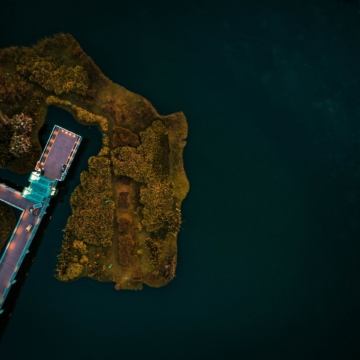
(39, 189)
(53, 165)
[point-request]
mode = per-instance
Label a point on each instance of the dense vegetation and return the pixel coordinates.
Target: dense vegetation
(149, 165)
(7, 223)
(54, 66)
(20, 127)
(93, 212)
(51, 74)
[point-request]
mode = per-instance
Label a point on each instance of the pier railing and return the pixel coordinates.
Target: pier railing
(47, 147)
(71, 156)
(13, 191)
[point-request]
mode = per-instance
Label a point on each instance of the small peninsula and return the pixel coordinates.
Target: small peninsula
(126, 212)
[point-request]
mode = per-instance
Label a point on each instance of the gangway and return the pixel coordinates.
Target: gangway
(60, 149)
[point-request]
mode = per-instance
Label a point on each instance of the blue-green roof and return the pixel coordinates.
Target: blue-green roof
(39, 188)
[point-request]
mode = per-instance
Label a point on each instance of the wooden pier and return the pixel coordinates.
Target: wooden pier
(52, 167)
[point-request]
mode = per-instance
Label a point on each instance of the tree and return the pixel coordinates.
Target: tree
(20, 127)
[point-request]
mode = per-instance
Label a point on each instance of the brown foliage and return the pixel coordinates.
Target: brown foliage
(8, 54)
(127, 161)
(124, 223)
(126, 244)
(139, 116)
(92, 218)
(149, 161)
(149, 164)
(64, 258)
(110, 110)
(137, 276)
(123, 200)
(167, 270)
(5, 139)
(51, 75)
(8, 222)
(80, 246)
(159, 210)
(122, 179)
(124, 137)
(63, 45)
(118, 286)
(73, 271)
(13, 89)
(91, 93)
(154, 250)
(78, 52)
(21, 126)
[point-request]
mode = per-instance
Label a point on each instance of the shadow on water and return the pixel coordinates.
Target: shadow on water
(44, 134)
(16, 181)
(90, 146)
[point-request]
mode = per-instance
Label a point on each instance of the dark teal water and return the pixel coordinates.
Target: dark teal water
(269, 248)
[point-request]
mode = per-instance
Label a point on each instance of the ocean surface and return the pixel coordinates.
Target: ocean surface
(268, 263)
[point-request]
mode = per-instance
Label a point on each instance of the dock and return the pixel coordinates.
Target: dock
(52, 167)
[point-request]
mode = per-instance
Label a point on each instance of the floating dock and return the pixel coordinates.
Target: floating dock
(52, 167)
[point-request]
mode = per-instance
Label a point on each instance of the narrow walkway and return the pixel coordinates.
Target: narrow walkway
(13, 197)
(52, 167)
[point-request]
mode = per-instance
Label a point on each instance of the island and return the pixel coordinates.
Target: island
(126, 212)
